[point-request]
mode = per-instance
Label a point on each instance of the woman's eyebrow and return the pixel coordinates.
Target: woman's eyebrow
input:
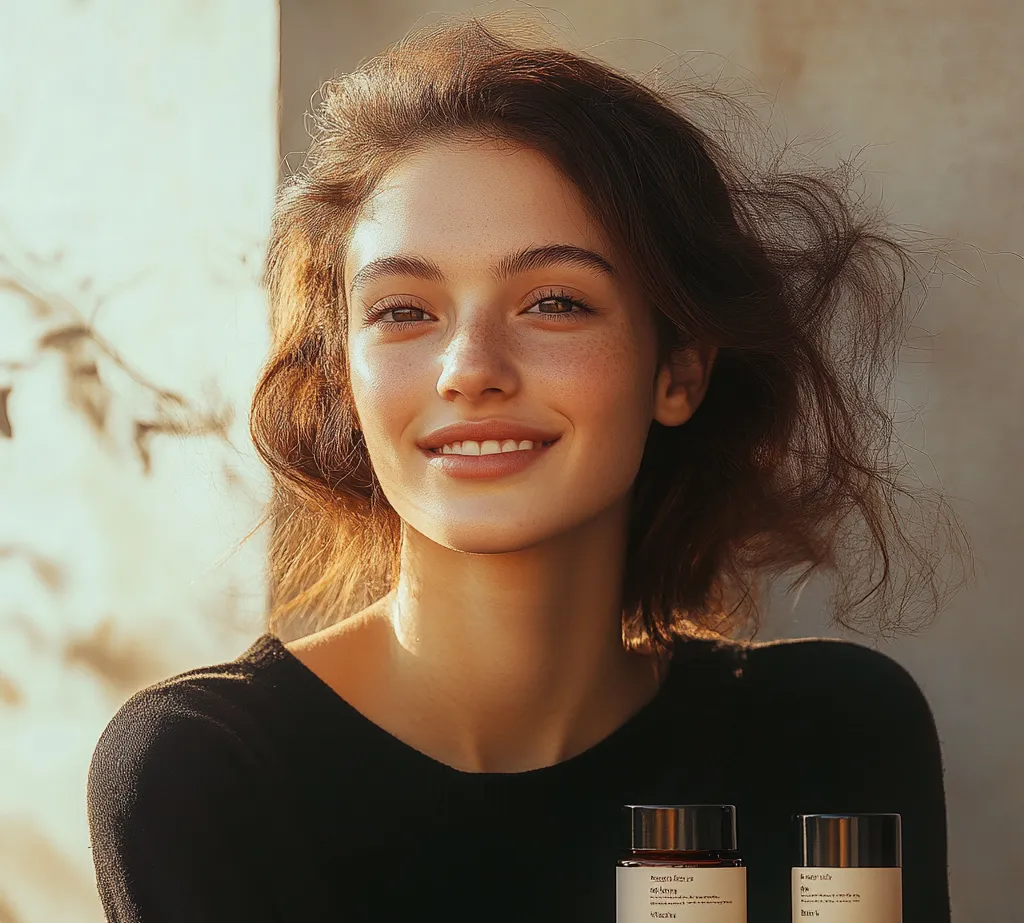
(525, 260)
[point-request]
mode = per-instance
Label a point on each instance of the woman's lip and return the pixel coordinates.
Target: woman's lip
(496, 464)
(546, 444)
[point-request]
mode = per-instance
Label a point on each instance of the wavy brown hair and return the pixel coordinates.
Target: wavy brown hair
(789, 460)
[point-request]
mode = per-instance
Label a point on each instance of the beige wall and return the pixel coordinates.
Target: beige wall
(935, 90)
(138, 164)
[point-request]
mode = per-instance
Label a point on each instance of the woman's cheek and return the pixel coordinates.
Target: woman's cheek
(600, 383)
(388, 395)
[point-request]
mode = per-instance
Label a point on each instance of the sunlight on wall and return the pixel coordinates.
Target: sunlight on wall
(139, 164)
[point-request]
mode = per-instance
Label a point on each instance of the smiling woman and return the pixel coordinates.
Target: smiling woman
(460, 145)
(557, 379)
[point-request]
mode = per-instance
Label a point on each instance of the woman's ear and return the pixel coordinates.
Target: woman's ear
(682, 384)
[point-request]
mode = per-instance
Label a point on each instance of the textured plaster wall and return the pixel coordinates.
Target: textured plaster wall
(138, 163)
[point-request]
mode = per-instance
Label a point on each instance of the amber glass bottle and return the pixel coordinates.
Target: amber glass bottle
(680, 862)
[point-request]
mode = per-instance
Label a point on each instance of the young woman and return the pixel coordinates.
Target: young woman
(555, 381)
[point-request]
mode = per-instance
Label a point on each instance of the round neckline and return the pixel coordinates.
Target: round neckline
(612, 748)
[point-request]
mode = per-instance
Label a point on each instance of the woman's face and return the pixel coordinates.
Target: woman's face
(474, 347)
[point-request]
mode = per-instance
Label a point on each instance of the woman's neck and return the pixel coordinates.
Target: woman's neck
(516, 659)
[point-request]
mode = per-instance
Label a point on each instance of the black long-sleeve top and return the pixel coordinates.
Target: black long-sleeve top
(250, 791)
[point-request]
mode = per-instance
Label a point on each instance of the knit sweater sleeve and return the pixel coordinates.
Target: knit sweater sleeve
(170, 798)
(862, 738)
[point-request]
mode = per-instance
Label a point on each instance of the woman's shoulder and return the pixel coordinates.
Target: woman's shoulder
(197, 716)
(809, 669)
(177, 796)
(834, 676)
(819, 659)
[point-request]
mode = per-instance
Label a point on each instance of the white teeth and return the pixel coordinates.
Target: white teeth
(488, 447)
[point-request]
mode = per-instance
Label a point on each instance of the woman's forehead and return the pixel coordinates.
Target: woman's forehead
(471, 207)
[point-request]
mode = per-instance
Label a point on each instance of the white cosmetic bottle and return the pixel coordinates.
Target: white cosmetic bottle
(850, 869)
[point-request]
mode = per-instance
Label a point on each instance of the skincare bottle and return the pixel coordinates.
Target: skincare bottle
(849, 869)
(680, 862)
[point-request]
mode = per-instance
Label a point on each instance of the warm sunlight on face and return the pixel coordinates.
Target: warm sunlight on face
(476, 346)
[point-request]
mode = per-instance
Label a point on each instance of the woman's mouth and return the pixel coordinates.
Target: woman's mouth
(487, 459)
(490, 447)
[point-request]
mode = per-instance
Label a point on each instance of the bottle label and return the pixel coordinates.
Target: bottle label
(689, 895)
(825, 895)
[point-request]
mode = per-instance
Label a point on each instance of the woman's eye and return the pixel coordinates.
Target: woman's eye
(394, 311)
(571, 303)
(575, 309)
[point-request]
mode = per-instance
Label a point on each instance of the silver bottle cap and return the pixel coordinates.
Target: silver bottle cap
(850, 840)
(681, 827)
